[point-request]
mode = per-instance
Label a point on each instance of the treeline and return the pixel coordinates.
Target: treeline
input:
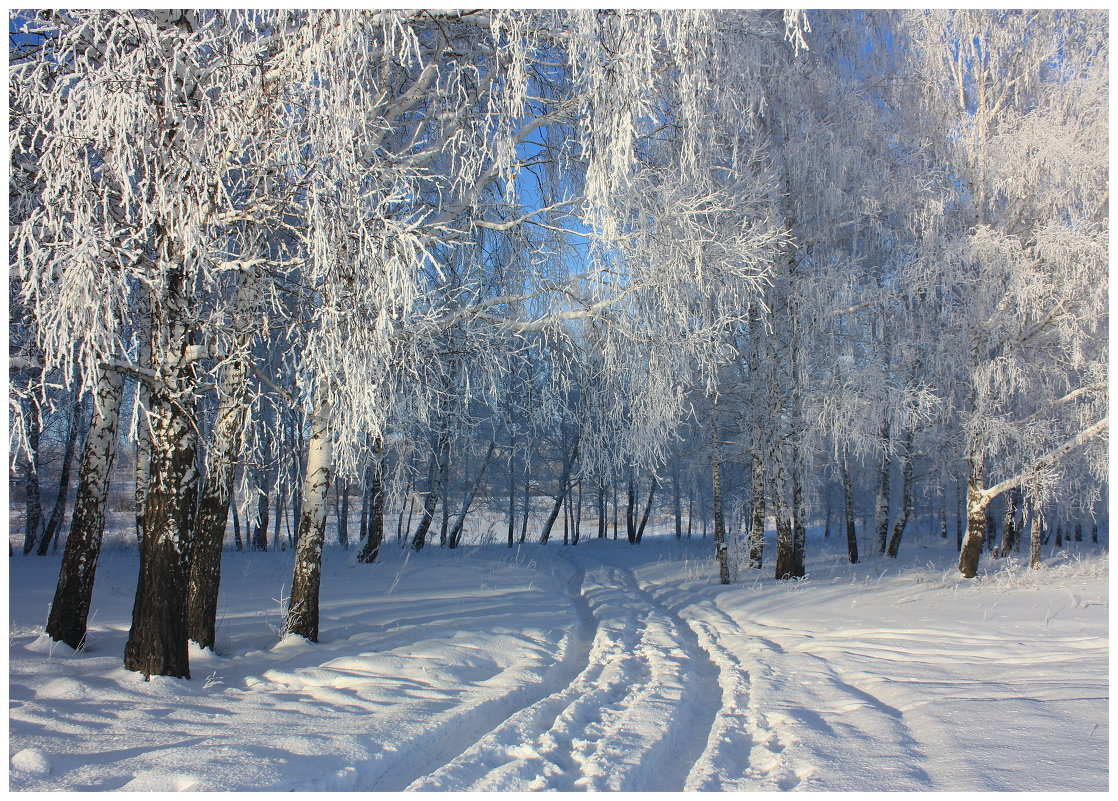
(582, 263)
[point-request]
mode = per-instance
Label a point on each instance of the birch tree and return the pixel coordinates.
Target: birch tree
(1022, 250)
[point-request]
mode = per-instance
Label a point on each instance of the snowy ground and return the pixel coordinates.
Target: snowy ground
(601, 667)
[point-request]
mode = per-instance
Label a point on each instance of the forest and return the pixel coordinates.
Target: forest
(303, 279)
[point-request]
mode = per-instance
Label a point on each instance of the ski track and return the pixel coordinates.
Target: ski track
(647, 686)
(746, 749)
(443, 743)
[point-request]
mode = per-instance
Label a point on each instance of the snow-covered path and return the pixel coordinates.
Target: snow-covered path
(601, 667)
(636, 717)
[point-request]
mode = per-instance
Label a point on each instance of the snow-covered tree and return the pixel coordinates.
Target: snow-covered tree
(1016, 260)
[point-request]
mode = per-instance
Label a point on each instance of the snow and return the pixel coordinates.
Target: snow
(599, 667)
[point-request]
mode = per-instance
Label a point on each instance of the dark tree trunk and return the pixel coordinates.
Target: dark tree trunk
(238, 543)
(444, 488)
(677, 504)
(411, 514)
(757, 509)
(259, 541)
(430, 504)
(553, 515)
(631, 511)
(363, 523)
(564, 482)
(455, 537)
(603, 510)
(690, 511)
(881, 513)
(34, 517)
(906, 495)
(142, 467)
(527, 504)
(960, 504)
(59, 509)
(1009, 525)
(976, 519)
(1036, 538)
(302, 614)
(848, 510)
(785, 560)
(375, 522)
(799, 514)
(799, 509)
(343, 513)
(277, 539)
(647, 509)
(512, 497)
(567, 520)
(157, 642)
(70, 609)
(613, 487)
(721, 551)
(577, 534)
(213, 508)
(784, 564)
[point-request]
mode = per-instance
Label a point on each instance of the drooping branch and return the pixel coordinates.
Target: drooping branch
(1047, 460)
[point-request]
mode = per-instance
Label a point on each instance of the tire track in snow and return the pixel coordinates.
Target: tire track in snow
(443, 743)
(744, 751)
(635, 718)
(794, 715)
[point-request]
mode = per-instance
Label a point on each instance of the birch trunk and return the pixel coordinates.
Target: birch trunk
(374, 525)
(677, 504)
(603, 510)
(881, 510)
(1009, 525)
(799, 514)
(213, 506)
(34, 517)
(302, 614)
(1036, 538)
(647, 509)
(906, 496)
(341, 512)
(527, 503)
(976, 518)
(785, 566)
(512, 496)
(631, 511)
(564, 481)
(577, 506)
(848, 510)
(157, 642)
(757, 507)
(455, 536)
(721, 552)
(142, 470)
(430, 503)
(67, 620)
(259, 541)
(799, 510)
(59, 509)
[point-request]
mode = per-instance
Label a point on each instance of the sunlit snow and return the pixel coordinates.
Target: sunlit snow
(598, 667)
